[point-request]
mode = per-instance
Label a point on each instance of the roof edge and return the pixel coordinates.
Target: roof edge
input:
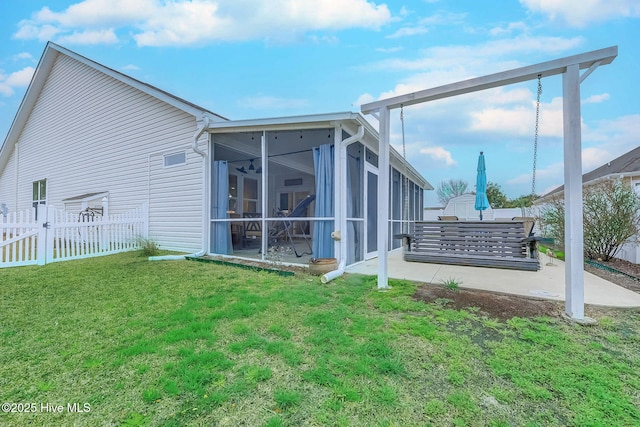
(45, 64)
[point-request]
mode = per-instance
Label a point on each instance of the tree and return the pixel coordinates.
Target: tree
(497, 199)
(611, 212)
(525, 201)
(449, 189)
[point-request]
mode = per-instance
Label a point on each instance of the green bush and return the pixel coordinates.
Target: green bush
(148, 246)
(611, 212)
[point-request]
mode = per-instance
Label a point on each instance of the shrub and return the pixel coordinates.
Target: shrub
(148, 246)
(451, 284)
(611, 212)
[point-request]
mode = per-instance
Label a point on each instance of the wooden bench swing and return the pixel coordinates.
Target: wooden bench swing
(499, 244)
(506, 244)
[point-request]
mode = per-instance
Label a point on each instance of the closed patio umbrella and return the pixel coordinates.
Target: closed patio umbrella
(482, 202)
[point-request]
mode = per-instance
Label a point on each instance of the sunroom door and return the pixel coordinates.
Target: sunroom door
(371, 211)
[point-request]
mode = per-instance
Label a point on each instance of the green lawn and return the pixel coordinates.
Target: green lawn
(180, 343)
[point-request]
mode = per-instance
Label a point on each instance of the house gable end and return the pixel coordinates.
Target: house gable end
(49, 57)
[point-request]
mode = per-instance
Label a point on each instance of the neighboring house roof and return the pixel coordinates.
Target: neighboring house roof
(626, 165)
(49, 56)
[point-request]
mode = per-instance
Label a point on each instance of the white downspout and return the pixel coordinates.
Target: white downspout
(342, 188)
(205, 197)
(205, 185)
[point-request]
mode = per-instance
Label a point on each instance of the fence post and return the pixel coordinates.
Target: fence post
(105, 207)
(145, 219)
(51, 222)
(42, 224)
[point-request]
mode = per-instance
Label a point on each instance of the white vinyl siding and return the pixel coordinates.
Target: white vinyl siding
(8, 183)
(175, 159)
(89, 132)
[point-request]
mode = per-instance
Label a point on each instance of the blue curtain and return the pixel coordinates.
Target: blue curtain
(220, 231)
(323, 163)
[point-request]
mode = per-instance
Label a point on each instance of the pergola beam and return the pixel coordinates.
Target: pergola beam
(557, 66)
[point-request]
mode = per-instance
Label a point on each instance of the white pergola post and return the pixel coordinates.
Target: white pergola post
(383, 198)
(569, 67)
(573, 231)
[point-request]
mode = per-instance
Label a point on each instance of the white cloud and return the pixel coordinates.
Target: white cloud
(553, 172)
(408, 31)
(19, 78)
(130, 67)
(440, 155)
(594, 157)
(23, 56)
(586, 12)
(89, 37)
(510, 28)
(618, 135)
(607, 140)
(444, 19)
(365, 98)
(181, 22)
(201, 21)
(520, 120)
(272, 102)
(389, 50)
(466, 61)
(97, 13)
(596, 99)
(329, 39)
(28, 30)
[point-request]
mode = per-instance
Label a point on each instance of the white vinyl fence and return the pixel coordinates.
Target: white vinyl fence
(18, 236)
(59, 236)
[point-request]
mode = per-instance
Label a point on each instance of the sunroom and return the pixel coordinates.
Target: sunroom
(295, 188)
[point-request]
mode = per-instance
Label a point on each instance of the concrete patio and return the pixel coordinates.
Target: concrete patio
(548, 283)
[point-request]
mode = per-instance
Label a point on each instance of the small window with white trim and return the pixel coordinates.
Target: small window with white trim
(39, 192)
(175, 159)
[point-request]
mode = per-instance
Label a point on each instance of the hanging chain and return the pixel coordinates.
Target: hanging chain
(405, 214)
(535, 138)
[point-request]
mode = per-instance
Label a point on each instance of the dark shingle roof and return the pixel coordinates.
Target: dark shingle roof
(628, 163)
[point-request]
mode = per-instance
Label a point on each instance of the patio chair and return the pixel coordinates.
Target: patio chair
(282, 229)
(251, 229)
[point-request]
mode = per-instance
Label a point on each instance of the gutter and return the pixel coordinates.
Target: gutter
(326, 278)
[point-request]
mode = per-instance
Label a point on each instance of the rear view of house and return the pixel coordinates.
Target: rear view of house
(85, 133)
(91, 140)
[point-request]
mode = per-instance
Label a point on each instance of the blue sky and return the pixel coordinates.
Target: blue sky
(256, 59)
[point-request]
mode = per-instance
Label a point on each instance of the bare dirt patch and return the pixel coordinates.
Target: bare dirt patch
(491, 304)
(505, 307)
